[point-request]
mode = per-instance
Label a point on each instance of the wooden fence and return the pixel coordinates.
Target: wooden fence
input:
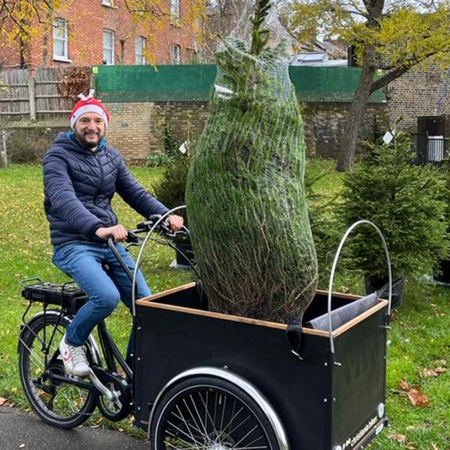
(26, 96)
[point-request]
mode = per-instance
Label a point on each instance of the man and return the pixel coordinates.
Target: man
(81, 175)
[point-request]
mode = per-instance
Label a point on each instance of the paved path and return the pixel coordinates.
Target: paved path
(19, 430)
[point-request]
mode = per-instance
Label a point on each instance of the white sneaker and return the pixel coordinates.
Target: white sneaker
(74, 359)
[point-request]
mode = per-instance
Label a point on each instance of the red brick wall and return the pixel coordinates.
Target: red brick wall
(88, 18)
(9, 51)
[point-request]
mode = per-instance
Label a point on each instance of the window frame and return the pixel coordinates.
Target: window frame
(176, 55)
(143, 59)
(112, 48)
(64, 39)
(175, 9)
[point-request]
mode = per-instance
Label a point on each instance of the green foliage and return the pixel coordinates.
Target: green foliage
(28, 145)
(171, 146)
(403, 34)
(157, 160)
(171, 188)
(406, 202)
(171, 142)
(260, 36)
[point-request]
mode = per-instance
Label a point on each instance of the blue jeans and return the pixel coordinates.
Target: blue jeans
(104, 287)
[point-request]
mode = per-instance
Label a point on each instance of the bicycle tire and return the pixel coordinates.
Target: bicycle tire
(210, 413)
(57, 403)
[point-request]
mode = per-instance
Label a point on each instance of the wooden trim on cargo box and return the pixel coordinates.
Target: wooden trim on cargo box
(150, 302)
(153, 297)
(339, 294)
(364, 315)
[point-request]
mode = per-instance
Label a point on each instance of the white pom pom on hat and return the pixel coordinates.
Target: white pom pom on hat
(86, 105)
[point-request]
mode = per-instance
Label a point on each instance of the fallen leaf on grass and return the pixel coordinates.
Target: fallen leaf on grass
(427, 373)
(404, 385)
(398, 437)
(5, 402)
(97, 423)
(414, 394)
(417, 398)
(435, 447)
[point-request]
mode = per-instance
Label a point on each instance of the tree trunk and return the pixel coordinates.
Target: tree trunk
(355, 116)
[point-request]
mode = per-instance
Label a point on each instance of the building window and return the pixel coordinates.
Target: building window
(60, 37)
(108, 47)
(175, 9)
(176, 54)
(141, 44)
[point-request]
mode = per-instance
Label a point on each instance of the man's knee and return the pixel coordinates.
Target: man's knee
(107, 301)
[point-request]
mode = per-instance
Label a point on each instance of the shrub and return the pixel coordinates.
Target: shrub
(171, 189)
(405, 202)
(28, 145)
(157, 160)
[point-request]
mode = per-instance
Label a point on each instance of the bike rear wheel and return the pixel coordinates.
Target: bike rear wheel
(58, 403)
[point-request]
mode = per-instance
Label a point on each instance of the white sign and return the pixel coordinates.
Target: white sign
(387, 138)
(184, 147)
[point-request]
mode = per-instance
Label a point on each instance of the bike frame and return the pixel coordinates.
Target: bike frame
(112, 356)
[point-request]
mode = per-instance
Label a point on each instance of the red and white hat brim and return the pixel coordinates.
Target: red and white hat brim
(88, 109)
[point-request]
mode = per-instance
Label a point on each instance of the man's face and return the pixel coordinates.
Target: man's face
(89, 130)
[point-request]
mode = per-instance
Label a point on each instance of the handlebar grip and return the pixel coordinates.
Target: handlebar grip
(132, 238)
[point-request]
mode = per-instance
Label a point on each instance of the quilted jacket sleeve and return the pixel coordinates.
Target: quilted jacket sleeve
(63, 201)
(135, 194)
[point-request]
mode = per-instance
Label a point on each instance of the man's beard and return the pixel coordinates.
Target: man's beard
(85, 143)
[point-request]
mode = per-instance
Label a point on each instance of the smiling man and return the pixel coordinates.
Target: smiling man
(81, 175)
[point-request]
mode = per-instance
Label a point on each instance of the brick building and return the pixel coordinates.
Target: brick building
(419, 93)
(94, 32)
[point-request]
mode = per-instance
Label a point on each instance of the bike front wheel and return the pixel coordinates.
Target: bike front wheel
(206, 413)
(58, 403)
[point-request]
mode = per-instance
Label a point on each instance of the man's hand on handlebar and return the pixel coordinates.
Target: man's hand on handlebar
(175, 223)
(117, 232)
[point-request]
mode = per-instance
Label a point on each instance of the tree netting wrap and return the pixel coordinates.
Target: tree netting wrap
(245, 194)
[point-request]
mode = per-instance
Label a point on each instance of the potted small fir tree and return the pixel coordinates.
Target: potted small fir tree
(406, 202)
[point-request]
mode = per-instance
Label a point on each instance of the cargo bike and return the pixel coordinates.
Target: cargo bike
(211, 381)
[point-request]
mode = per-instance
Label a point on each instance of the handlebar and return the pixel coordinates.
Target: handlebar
(147, 226)
(153, 224)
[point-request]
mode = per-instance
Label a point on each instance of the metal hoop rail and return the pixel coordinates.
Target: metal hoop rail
(333, 270)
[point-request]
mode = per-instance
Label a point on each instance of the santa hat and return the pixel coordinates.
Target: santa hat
(88, 104)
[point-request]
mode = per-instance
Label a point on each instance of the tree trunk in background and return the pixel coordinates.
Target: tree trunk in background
(355, 116)
(352, 125)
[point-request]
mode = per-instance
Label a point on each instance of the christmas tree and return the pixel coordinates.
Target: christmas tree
(245, 192)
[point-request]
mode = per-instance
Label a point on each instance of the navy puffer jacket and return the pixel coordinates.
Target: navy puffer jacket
(79, 185)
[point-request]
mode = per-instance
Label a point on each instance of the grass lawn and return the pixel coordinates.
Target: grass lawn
(418, 356)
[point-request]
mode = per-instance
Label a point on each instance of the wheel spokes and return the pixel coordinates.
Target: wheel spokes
(207, 420)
